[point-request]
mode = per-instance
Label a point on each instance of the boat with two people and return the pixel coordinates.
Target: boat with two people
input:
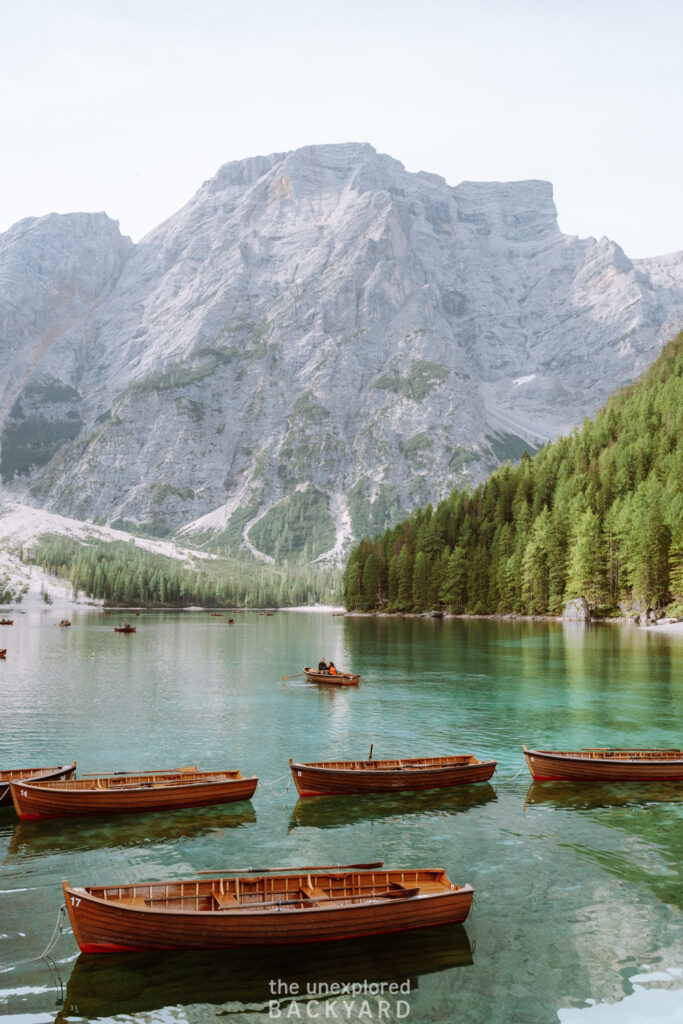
(330, 674)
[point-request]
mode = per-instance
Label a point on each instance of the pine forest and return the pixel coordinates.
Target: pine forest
(596, 515)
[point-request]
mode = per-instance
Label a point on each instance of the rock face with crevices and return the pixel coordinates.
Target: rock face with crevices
(318, 342)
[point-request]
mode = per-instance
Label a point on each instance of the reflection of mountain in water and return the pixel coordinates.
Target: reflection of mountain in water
(40, 838)
(339, 811)
(105, 986)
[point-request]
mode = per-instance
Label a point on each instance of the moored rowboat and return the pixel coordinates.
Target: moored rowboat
(335, 679)
(327, 778)
(270, 910)
(123, 794)
(3, 652)
(64, 771)
(605, 764)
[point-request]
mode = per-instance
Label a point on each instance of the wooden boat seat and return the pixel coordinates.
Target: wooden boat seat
(224, 901)
(314, 892)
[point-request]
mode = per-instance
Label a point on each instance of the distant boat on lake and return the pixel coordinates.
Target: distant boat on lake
(125, 628)
(331, 678)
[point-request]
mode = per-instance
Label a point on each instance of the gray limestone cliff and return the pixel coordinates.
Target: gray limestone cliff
(315, 344)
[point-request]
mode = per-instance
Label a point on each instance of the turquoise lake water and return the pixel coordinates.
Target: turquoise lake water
(579, 889)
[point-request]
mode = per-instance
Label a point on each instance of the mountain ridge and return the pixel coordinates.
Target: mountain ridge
(318, 322)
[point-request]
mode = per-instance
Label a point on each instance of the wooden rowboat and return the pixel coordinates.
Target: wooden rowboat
(64, 771)
(6, 622)
(268, 910)
(124, 794)
(125, 628)
(605, 765)
(327, 778)
(338, 679)
(3, 652)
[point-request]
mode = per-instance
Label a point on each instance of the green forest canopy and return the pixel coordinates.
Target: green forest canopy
(124, 574)
(598, 515)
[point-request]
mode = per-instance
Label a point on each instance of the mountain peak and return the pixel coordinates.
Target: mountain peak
(317, 343)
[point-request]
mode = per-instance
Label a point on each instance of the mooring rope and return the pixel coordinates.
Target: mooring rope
(519, 772)
(54, 938)
(274, 782)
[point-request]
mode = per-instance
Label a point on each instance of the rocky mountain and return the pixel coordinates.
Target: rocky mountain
(318, 342)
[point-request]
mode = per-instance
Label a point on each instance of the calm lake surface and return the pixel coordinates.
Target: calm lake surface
(579, 889)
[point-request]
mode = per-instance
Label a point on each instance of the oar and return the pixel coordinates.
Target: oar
(388, 894)
(294, 676)
(294, 870)
(144, 771)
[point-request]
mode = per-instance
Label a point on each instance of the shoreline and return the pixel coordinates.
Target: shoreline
(673, 628)
(61, 602)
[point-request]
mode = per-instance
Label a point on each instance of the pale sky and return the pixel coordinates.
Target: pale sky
(128, 106)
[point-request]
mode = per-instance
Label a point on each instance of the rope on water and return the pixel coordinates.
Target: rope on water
(54, 938)
(269, 785)
(519, 772)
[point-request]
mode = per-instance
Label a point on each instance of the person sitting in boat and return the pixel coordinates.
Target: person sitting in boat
(332, 670)
(322, 665)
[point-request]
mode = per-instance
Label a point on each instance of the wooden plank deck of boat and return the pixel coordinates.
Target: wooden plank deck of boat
(127, 793)
(267, 910)
(329, 778)
(605, 764)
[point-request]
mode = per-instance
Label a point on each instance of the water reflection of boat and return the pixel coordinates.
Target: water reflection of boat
(575, 797)
(131, 983)
(319, 812)
(38, 839)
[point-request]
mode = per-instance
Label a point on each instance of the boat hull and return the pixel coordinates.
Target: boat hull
(315, 780)
(105, 926)
(61, 772)
(34, 802)
(326, 679)
(580, 766)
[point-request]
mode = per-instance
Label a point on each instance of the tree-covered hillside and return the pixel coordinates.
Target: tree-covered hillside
(598, 514)
(126, 575)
